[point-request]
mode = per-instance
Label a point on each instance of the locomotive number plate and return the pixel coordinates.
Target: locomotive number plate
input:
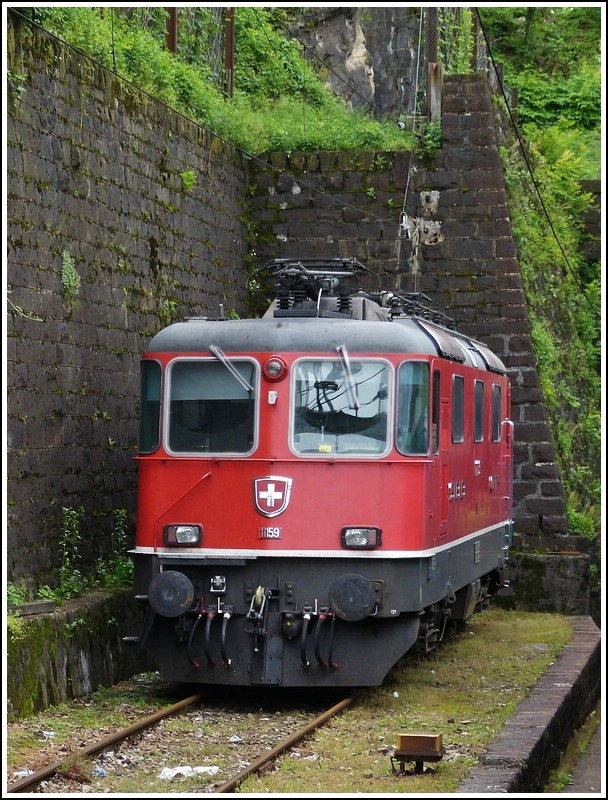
(269, 533)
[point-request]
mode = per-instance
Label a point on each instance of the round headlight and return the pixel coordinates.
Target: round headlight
(274, 369)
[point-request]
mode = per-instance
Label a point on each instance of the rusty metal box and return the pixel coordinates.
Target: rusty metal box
(422, 745)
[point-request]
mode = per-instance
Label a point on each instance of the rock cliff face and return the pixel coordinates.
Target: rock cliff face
(370, 55)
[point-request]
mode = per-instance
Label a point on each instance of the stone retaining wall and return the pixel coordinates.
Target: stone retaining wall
(71, 652)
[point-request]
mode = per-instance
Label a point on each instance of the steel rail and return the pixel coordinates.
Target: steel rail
(228, 786)
(46, 772)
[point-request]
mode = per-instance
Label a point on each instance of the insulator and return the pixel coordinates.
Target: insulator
(344, 304)
(299, 295)
(283, 299)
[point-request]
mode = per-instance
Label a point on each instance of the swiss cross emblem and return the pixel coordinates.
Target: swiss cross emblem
(271, 494)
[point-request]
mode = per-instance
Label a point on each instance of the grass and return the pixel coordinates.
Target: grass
(465, 691)
(104, 709)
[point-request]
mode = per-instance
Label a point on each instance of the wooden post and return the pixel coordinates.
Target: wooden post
(435, 92)
(229, 50)
(514, 104)
(171, 29)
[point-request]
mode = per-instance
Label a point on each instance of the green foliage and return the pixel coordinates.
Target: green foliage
(189, 179)
(544, 39)
(564, 306)
(16, 81)
(285, 125)
(548, 100)
(117, 571)
(153, 20)
(200, 38)
(456, 42)
(559, 780)
(16, 626)
(168, 311)
(552, 57)
(71, 582)
(582, 96)
(566, 144)
(46, 593)
(429, 140)
(581, 524)
(279, 102)
(16, 595)
(70, 279)
(269, 65)
(76, 25)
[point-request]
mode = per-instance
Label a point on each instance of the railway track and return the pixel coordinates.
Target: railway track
(283, 746)
(31, 781)
(66, 769)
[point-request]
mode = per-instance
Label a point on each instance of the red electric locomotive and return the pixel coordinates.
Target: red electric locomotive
(321, 489)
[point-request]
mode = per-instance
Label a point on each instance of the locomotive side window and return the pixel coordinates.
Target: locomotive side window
(340, 409)
(210, 410)
(436, 411)
(458, 409)
(413, 408)
(149, 417)
(496, 404)
(478, 411)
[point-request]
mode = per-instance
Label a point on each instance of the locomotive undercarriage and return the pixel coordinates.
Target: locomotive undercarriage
(215, 624)
(458, 607)
(267, 646)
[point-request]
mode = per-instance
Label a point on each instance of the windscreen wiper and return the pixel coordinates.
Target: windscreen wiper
(351, 386)
(230, 367)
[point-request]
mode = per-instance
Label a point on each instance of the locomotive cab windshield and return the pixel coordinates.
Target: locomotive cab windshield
(340, 408)
(211, 409)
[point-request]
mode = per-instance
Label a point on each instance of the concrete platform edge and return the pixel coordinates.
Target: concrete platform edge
(534, 740)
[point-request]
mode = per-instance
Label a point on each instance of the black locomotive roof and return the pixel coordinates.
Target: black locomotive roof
(323, 335)
(315, 312)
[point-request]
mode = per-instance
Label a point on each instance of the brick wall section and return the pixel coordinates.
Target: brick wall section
(491, 303)
(464, 258)
(94, 170)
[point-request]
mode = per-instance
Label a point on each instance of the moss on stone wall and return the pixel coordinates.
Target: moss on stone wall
(69, 652)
